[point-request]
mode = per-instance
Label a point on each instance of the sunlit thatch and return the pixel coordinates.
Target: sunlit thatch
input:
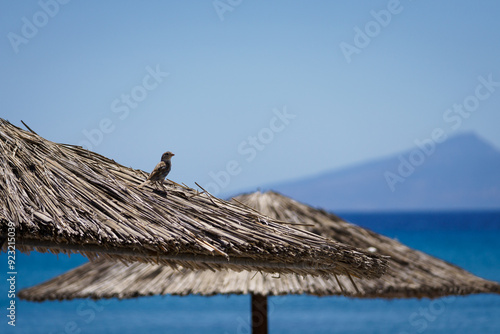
(63, 198)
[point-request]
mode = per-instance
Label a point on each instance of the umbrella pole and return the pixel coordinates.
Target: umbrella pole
(259, 314)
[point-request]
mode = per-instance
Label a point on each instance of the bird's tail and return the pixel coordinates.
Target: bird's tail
(142, 184)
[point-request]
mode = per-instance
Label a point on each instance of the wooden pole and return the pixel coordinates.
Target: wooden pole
(259, 314)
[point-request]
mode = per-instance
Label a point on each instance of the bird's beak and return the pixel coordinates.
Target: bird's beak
(173, 154)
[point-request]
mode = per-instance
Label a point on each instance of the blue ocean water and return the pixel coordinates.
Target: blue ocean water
(468, 239)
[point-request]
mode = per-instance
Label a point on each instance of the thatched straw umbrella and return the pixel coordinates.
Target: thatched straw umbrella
(411, 273)
(65, 199)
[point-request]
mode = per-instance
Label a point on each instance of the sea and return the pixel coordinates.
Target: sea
(467, 239)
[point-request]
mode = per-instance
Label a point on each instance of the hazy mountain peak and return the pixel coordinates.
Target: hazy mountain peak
(460, 173)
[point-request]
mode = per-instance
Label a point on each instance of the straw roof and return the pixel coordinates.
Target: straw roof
(411, 273)
(65, 199)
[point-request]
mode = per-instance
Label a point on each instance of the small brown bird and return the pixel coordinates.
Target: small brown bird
(161, 171)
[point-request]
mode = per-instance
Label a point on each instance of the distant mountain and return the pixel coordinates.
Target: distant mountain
(461, 173)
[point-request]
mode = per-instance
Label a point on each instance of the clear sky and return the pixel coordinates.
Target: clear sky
(247, 93)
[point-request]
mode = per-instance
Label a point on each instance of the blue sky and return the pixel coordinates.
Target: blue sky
(247, 93)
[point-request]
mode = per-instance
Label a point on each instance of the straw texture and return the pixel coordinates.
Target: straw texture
(411, 273)
(63, 198)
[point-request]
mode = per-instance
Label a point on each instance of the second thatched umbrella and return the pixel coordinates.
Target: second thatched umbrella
(411, 273)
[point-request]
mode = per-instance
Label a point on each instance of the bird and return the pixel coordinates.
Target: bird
(161, 171)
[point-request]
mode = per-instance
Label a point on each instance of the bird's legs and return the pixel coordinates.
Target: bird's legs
(159, 184)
